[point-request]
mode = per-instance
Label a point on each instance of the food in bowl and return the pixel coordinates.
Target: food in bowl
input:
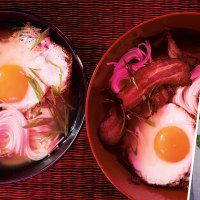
(34, 86)
(151, 107)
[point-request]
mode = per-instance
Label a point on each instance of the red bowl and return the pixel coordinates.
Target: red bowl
(119, 176)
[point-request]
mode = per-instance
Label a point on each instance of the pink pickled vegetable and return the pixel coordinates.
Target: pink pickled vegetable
(121, 74)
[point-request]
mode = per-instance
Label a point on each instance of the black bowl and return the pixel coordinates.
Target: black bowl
(78, 92)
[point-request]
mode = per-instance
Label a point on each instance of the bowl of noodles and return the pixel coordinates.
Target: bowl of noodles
(142, 106)
(42, 95)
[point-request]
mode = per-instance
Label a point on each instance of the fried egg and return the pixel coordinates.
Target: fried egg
(48, 64)
(162, 154)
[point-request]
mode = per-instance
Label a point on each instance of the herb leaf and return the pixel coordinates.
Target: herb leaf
(36, 87)
(136, 149)
(4, 151)
(130, 73)
(151, 123)
(37, 122)
(40, 38)
(198, 141)
(60, 75)
(36, 75)
(144, 97)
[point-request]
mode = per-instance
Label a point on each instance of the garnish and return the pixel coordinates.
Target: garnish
(66, 121)
(62, 122)
(198, 141)
(4, 151)
(39, 110)
(33, 71)
(130, 73)
(38, 91)
(36, 87)
(56, 93)
(136, 55)
(148, 102)
(124, 118)
(144, 97)
(37, 122)
(40, 38)
(59, 120)
(151, 123)
(60, 75)
(53, 94)
(26, 31)
(129, 139)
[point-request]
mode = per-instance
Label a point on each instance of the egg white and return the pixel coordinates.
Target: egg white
(18, 52)
(151, 168)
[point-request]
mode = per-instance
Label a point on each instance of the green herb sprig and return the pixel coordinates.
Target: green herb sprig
(54, 110)
(129, 70)
(37, 122)
(4, 151)
(151, 123)
(60, 75)
(198, 141)
(36, 87)
(40, 37)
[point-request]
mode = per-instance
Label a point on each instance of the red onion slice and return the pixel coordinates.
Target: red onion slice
(120, 72)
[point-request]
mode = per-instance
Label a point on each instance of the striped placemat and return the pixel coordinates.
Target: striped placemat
(92, 26)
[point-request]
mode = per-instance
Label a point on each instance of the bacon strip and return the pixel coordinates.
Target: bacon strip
(173, 72)
(161, 97)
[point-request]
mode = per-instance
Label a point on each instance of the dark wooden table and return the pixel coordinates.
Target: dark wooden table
(92, 26)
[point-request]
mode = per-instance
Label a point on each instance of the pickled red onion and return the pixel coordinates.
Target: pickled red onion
(120, 72)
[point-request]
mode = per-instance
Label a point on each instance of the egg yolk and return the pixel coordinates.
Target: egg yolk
(13, 83)
(171, 144)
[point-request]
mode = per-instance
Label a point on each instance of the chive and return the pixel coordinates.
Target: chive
(130, 73)
(66, 121)
(40, 38)
(36, 87)
(144, 97)
(39, 110)
(63, 123)
(60, 75)
(4, 151)
(151, 123)
(133, 81)
(198, 141)
(53, 95)
(149, 107)
(37, 122)
(55, 131)
(134, 151)
(56, 115)
(26, 34)
(33, 71)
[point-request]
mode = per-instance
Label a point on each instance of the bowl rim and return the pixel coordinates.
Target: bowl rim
(85, 87)
(93, 77)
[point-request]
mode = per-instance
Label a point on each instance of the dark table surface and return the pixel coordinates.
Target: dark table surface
(92, 26)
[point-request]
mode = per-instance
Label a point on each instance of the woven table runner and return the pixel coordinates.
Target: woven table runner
(92, 26)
